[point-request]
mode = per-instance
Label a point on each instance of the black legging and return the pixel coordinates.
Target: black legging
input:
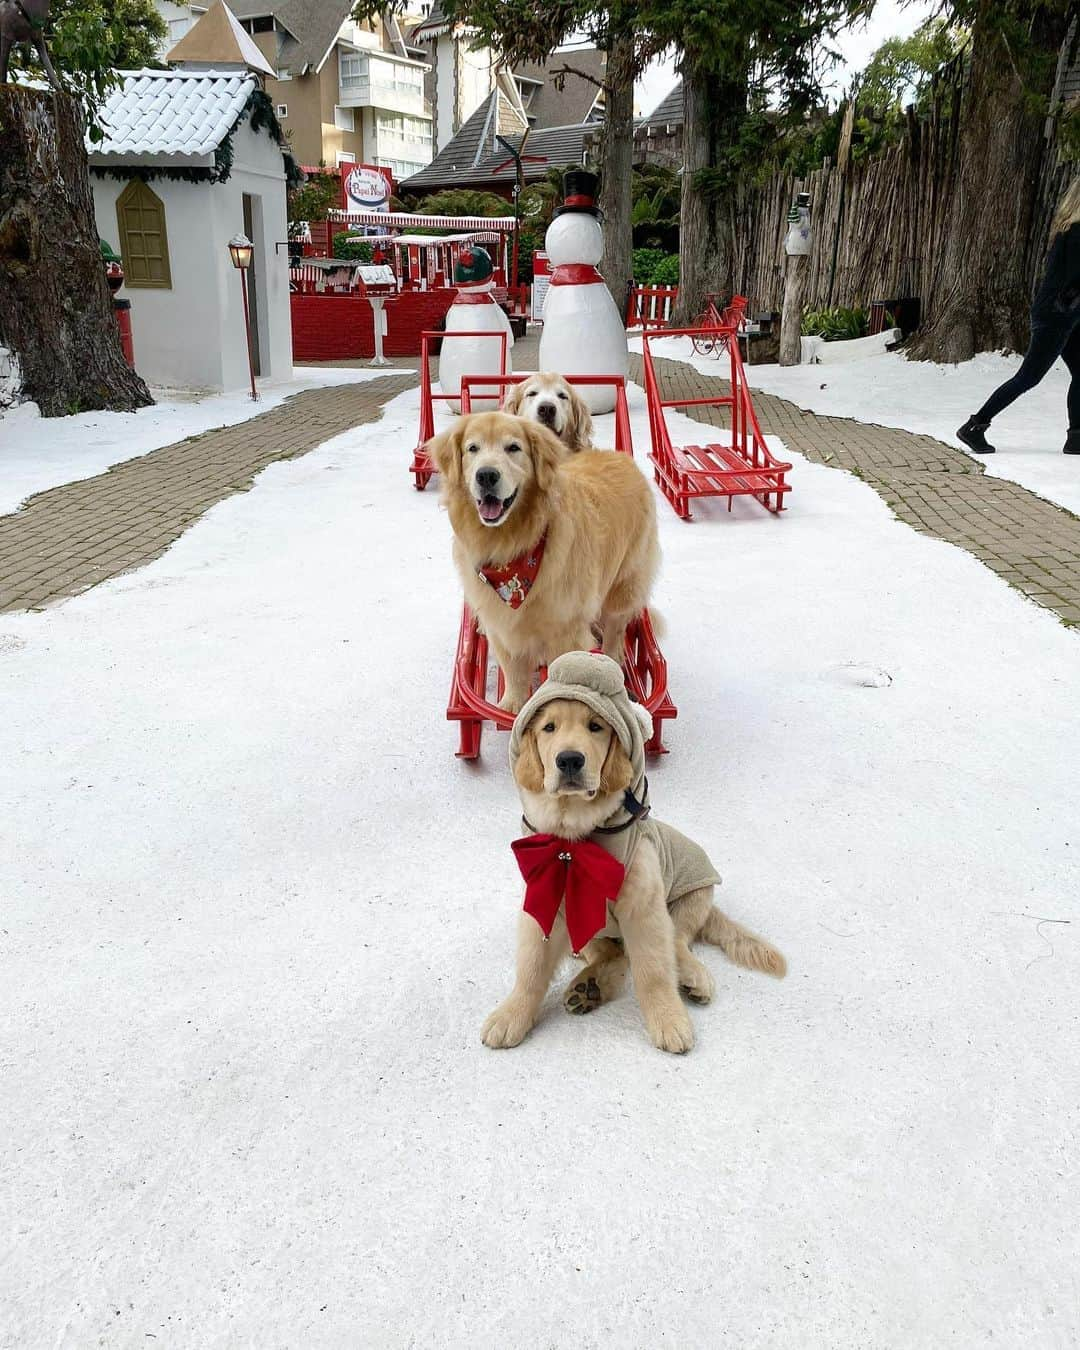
(1050, 338)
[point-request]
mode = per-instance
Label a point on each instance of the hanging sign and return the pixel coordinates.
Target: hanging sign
(368, 188)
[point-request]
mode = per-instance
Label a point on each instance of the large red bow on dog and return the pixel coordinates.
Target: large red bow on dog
(585, 873)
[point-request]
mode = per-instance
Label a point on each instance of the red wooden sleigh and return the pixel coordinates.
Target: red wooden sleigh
(475, 687)
(738, 463)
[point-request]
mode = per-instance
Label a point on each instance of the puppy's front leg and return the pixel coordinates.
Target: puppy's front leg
(517, 674)
(649, 935)
(512, 1021)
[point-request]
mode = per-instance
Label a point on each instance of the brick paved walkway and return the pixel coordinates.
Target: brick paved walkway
(1030, 543)
(73, 537)
(70, 538)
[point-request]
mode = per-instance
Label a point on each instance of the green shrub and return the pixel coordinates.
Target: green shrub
(351, 248)
(654, 267)
(836, 325)
(666, 271)
(314, 200)
(644, 260)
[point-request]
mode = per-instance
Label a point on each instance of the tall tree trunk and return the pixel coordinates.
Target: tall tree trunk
(617, 150)
(714, 107)
(981, 270)
(55, 308)
(798, 268)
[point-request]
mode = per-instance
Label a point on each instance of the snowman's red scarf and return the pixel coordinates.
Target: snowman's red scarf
(522, 570)
(575, 274)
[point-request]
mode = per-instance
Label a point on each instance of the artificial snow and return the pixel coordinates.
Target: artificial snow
(816, 351)
(891, 391)
(37, 453)
(255, 912)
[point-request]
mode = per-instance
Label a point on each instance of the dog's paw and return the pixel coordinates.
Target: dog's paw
(582, 997)
(671, 1031)
(697, 982)
(507, 1026)
(511, 702)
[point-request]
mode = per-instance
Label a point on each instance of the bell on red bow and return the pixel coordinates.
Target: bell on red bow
(580, 872)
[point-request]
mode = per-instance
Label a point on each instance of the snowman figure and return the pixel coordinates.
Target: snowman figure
(584, 333)
(474, 311)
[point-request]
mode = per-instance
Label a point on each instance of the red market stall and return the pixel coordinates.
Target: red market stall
(331, 317)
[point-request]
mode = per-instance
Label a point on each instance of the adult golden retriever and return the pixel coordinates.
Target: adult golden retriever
(571, 773)
(517, 499)
(554, 403)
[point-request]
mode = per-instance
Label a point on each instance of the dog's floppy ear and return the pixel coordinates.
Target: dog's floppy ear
(579, 425)
(528, 771)
(445, 452)
(547, 453)
(514, 394)
(617, 773)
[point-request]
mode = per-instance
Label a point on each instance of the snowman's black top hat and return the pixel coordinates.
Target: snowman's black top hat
(579, 193)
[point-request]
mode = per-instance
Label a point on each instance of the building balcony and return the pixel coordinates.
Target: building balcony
(378, 80)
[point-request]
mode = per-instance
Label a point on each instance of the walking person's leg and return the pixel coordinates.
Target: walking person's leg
(1047, 341)
(1071, 356)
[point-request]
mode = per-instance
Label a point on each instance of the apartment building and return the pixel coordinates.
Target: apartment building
(345, 93)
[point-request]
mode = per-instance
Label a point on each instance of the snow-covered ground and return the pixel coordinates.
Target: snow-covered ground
(38, 452)
(254, 913)
(891, 391)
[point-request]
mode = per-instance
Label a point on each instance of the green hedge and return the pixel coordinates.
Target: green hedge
(351, 248)
(654, 267)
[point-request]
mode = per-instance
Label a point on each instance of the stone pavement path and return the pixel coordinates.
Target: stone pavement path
(1029, 542)
(70, 538)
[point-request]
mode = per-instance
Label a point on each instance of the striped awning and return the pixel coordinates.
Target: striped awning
(410, 220)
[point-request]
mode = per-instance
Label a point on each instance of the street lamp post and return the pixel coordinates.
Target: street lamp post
(240, 250)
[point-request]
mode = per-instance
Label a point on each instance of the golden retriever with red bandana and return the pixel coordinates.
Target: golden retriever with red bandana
(549, 545)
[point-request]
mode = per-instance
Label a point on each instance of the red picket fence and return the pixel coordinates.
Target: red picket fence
(650, 306)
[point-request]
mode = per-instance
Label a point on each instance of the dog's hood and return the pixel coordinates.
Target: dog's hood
(596, 681)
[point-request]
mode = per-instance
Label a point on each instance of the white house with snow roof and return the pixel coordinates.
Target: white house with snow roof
(190, 159)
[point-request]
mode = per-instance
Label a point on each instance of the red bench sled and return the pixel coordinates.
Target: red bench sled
(472, 702)
(738, 465)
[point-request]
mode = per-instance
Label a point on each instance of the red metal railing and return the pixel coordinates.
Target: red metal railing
(740, 464)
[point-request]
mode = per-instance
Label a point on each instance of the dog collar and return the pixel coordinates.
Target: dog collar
(635, 810)
(513, 582)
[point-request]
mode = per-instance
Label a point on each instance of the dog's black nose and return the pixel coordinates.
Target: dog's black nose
(569, 761)
(486, 479)
(546, 412)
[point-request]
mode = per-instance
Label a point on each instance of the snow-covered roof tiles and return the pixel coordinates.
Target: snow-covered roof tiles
(171, 112)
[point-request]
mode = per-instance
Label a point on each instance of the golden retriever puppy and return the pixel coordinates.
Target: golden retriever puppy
(555, 404)
(579, 768)
(548, 545)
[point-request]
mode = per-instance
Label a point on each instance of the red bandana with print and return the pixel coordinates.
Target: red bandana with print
(513, 582)
(583, 873)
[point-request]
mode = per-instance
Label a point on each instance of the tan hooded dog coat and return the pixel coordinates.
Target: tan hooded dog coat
(597, 681)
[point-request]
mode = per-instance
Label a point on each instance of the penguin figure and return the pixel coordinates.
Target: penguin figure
(474, 311)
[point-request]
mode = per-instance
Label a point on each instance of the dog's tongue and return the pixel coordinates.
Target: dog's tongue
(490, 508)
